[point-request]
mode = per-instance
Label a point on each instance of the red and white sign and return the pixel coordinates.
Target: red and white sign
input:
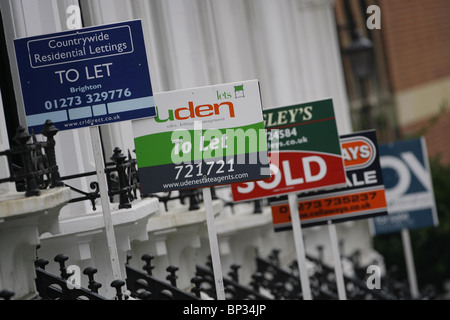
(305, 152)
(363, 196)
(293, 172)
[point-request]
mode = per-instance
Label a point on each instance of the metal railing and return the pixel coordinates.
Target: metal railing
(144, 286)
(122, 180)
(194, 195)
(32, 166)
(6, 294)
(233, 289)
(285, 285)
(52, 287)
(270, 281)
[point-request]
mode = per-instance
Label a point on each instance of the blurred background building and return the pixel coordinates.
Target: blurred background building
(300, 50)
(407, 86)
(407, 92)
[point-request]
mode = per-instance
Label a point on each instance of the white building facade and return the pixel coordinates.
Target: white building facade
(290, 46)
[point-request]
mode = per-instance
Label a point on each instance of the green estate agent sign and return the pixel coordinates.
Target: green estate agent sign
(304, 149)
(202, 137)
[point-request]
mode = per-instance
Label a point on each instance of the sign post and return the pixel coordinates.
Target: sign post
(204, 137)
(362, 197)
(337, 261)
(213, 244)
(410, 196)
(107, 217)
(410, 268)
(300, 248)
(86, 78)
(305, 156)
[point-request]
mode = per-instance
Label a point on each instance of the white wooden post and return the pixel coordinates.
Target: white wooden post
(410, 263)
(107, 217)
(213, 243)
(299, 247)
(337, 261)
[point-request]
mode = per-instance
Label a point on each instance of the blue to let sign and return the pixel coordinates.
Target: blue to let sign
(91, 76)
(409, 188)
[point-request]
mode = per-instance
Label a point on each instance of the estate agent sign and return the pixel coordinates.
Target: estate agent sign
(409, 188)
(202, 137)
(91, 76)
(362, 197)
(305, 153)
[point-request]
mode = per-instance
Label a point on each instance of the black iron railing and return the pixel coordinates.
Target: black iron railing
(233, 289)
(355, 288)
(280, 283)
(32, 165)
(271, 281)
(53, 287)
(257, 204)
(397, 288)
(6, 294)
(194, 195)
(285, 284)
(122, 180)
(144, 286)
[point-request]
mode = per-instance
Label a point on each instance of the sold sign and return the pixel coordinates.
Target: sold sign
(362, 197)
(305, 153)
(291, 171)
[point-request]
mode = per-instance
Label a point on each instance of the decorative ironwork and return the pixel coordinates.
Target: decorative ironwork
(49, 132)
(258, 204)
(32, 166)
(122, 180)
(270, 281)
(148, 287)
(6, 294)
(233, 289)
(127, 178)
(397, 288)
(194, 196)
(52, 287)
(91, 196)
(285, 285)
(355, 288)
(280, 283)
(118, 284)
(93, 285)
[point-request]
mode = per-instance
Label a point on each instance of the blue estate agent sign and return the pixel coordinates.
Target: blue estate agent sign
(85, 77)
(409, 189)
